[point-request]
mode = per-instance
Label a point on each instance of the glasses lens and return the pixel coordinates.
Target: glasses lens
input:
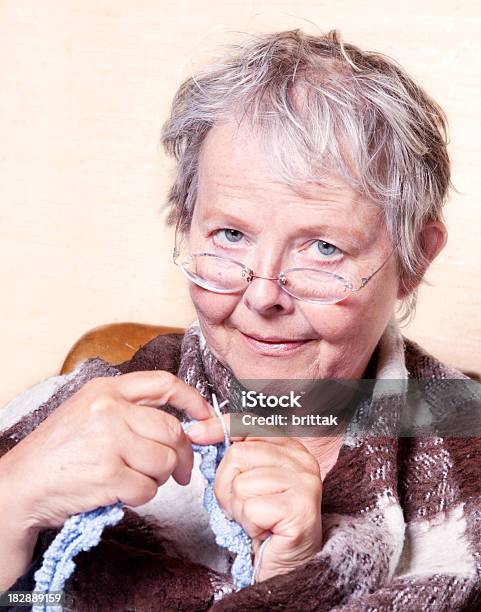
(215, 273)
(315, 285)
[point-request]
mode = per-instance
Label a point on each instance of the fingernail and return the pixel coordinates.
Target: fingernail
(195, 432)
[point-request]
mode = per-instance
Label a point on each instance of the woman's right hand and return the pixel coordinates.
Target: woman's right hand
(108, 442)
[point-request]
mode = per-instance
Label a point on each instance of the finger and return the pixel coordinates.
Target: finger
(243, 457)
(264, 481)
(158, 387)
(259, 482)
(291, 447)
(211, 431)
(161, 427)
(260, 514)
(150, 458)
(134, 488)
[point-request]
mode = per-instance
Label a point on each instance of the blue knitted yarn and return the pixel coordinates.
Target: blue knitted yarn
(228, 533)
(82, 532)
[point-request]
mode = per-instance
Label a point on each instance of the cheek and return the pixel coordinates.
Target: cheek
(357, 319)
(212, 308)
(333, 323)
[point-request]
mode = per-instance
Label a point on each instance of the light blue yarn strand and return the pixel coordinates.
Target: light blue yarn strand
(82, 532)
(228, 533)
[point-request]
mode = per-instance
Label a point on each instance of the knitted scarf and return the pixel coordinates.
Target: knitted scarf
(401, 516)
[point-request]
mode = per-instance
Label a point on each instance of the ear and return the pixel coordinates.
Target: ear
(433, 238)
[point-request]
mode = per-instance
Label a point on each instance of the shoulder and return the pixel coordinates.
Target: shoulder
(161, 353)
(446, 403)
(31, 398)
(421, 364)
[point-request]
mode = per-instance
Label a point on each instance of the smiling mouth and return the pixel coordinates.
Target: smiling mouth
(273, 340)
(272, 345)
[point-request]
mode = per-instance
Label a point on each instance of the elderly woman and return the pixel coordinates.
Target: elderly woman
(308, 198)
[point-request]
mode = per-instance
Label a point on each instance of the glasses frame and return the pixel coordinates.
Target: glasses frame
(250, 275)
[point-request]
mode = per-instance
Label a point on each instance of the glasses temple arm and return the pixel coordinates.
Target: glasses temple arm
(365, 280)
(176, 250)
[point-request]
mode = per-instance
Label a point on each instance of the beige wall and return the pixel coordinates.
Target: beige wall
(84, 88)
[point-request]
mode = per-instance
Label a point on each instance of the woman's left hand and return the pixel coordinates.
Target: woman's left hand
(269, 485)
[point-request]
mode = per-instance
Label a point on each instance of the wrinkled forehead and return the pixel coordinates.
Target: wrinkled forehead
(237, 175)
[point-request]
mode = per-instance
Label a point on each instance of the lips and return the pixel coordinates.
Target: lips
(273, 345)
(273, 340)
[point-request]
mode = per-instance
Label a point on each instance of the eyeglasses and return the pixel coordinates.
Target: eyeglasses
(222, 274)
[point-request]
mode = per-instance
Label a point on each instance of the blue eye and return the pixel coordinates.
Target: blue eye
(326, 248)
(232, 235)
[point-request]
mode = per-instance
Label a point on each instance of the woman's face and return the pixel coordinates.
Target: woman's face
(245, 213)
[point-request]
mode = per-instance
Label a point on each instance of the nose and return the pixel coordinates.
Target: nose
(265, 296)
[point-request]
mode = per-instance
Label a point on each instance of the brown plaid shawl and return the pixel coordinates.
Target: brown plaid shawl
(401, 515)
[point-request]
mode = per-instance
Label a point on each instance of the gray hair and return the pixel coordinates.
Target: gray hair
(344, 111)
